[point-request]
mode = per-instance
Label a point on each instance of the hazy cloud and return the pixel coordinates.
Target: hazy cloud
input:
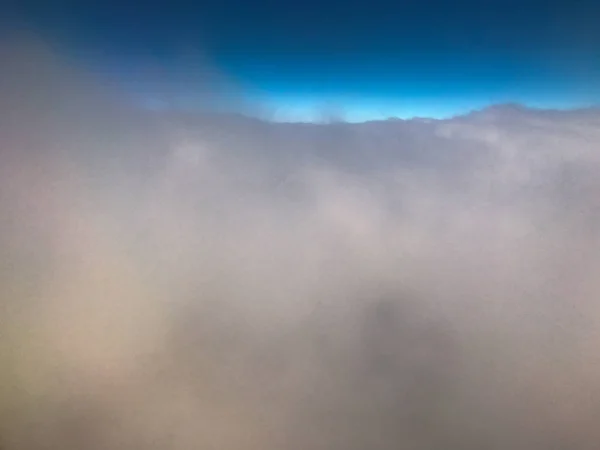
(217, 281)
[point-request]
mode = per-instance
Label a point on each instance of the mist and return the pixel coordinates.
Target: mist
(180, 280)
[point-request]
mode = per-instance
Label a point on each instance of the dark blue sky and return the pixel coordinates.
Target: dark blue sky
(371, 58)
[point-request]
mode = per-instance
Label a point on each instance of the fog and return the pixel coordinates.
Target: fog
(216, 281)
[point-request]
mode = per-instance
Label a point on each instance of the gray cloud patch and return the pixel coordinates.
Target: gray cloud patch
(224, 282)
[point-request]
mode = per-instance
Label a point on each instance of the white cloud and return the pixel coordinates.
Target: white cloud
(242, 284)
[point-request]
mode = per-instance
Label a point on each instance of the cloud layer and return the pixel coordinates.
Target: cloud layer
(216, 281)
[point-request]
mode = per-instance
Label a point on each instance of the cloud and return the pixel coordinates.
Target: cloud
(220, 281)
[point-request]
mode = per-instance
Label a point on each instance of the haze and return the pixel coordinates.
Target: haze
(208, 280)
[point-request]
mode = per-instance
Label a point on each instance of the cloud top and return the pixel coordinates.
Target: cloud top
(217, 281)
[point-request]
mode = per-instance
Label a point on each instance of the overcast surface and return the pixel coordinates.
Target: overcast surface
(221, 282)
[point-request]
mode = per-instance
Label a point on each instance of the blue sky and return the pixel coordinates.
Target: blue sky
(371, 59)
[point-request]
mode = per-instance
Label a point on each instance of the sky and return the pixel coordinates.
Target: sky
(370, 59)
